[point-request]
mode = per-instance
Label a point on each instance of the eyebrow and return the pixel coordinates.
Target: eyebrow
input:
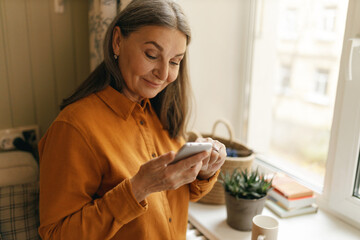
(160, 48)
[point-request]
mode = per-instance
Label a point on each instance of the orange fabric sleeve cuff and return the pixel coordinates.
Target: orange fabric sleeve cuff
(199, 188)
(128, 208)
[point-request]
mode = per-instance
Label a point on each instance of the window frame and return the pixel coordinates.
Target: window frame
(356, 191)
(343, 155)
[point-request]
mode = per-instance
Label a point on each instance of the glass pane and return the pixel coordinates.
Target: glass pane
(296, 61)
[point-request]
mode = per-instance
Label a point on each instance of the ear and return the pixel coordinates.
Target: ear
(116, 38)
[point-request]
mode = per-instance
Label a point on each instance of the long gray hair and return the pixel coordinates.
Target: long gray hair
(171, 104)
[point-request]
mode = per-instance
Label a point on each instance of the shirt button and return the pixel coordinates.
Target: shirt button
(141, 122)
(169, 219)
(153, 155)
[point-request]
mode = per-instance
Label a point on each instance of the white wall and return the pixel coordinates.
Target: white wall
(218, 31)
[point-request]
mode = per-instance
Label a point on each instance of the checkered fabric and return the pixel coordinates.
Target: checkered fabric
(19, 212)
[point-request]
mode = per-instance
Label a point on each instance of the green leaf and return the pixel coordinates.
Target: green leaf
(244, 184)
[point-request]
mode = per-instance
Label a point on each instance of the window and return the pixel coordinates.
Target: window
(341, 191)
(318, 142)
(292, 93)
(288, 27)
(327, 23)
(321, 82)
(283, 86)
(328, 20)
(319, 92)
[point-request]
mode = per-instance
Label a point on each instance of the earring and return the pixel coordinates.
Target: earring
(115, 56)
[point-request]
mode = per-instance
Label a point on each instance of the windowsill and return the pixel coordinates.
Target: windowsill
(211, 221)
(272, 166)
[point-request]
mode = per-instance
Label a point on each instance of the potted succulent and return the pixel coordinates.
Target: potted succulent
(245, 195)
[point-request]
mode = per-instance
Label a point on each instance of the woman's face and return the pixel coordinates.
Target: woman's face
(149, 59)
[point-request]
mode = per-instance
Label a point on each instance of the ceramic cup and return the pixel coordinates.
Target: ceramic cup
(264, 228)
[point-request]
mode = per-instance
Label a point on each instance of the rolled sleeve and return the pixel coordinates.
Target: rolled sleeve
(200, 188)
(128, 208)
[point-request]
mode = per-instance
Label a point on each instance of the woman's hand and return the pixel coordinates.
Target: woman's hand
(214, 161)
(159, 175)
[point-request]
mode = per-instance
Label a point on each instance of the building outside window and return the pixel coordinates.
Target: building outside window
(328, 20)
(319, 93)
(283, 86)
(327, 23)
(288, 27)
(321, 82)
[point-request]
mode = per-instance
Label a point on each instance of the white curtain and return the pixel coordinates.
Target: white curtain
(101, 13)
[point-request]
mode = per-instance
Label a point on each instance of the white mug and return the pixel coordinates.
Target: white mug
(264, 228)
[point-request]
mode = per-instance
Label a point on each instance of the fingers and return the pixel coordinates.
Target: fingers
(218, 156)
(217, 146)
(167, 158)
(190, 162)
(158, 174)
(187, 176)
(222, 150)
(163, 160)
(172, 176)
(218, 152)
(215, 160)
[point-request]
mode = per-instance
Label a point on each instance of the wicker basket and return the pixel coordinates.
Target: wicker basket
(244, 161)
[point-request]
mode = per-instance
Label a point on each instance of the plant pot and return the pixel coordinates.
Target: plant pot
(240, 212)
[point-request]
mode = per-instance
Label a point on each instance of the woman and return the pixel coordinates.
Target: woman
(105, 169)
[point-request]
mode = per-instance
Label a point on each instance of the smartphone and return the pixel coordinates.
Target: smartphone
(191, 148)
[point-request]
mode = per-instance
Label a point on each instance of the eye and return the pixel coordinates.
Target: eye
(150, 56)
(174, 63)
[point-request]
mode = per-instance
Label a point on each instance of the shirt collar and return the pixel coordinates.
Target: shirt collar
(119, 103)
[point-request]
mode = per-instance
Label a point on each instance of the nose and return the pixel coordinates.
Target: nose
(161, 71)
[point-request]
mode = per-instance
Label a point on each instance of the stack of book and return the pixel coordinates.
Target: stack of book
(289, 198)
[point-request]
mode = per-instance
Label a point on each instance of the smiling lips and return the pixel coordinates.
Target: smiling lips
(151, 84)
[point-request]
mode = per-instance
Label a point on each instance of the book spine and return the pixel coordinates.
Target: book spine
(283, 213)
(292, 198)
(294, 203)
(278, 200)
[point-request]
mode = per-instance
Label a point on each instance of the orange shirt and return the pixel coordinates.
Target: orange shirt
(87, 157)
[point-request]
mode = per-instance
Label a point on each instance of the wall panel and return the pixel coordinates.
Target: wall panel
(5, 110)
(63, 50)
(43, 56)
(41, 61)
(18, 63)
(81, 40)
